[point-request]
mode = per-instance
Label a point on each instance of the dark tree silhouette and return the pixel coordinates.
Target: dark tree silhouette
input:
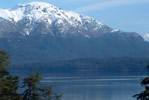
(34, 90)
(144, 95)
(8, 83)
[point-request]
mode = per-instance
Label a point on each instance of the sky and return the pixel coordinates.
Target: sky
(126, 15)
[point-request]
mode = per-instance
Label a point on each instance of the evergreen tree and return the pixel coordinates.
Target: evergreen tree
(34, 90)
(8, 83)
(144, 95)
(31, 85)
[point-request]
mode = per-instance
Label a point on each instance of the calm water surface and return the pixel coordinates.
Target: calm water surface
(96, 87)
(92, 86)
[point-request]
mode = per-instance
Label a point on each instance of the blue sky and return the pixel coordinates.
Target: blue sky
(126, 15)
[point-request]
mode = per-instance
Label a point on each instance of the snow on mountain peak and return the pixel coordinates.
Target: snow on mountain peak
(36, 4)
(35, 10)
(27, 15)
(41, 11)
(146, 37)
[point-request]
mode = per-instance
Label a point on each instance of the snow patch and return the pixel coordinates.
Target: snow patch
(146, 37)
(30, 14)
(116, 30)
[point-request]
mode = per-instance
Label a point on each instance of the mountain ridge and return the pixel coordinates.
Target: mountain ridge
(38, 12)
(29, 14)
(56, 34)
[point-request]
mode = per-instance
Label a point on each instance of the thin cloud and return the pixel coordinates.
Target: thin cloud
(107, 4)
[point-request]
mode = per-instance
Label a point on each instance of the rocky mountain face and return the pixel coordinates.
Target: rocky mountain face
(41, 32)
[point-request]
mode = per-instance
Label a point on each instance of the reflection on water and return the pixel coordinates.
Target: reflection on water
(92, 86)
(96, 88)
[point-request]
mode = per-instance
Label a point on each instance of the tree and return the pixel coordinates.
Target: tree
(8, 83)
(34, 90)
(31, 84)
(144, 95)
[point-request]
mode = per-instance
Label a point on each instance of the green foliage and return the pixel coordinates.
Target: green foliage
(33, 89)
(132, 65)
(144, 95)
(8, 83)
(4, 63)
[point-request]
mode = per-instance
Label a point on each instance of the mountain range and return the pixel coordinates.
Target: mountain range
(41, 32)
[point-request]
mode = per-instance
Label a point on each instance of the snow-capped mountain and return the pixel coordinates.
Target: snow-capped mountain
(146, 37)
(27, 18)
(41, 32)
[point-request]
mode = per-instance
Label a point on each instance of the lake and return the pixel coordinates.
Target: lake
(95, 87)
(92, 85)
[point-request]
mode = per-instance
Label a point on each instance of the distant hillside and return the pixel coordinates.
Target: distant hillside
(111, 65)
